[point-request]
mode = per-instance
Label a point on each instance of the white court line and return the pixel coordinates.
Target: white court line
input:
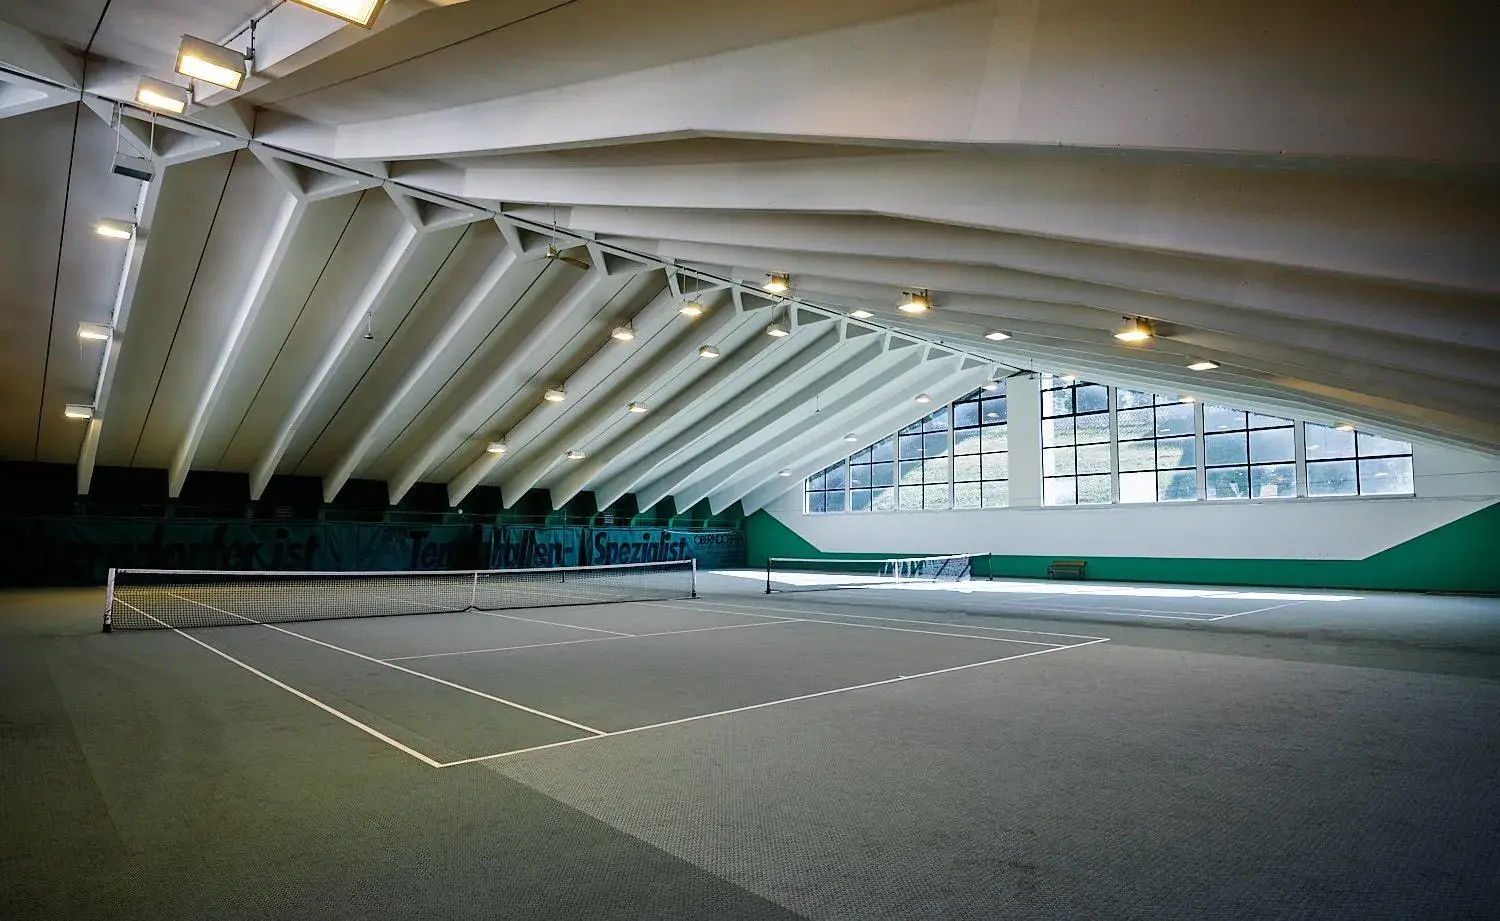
(903, 620)
(1258, 610)
(288, 688)
(772, 703)
(401, 668)
(1137, 612)
(829, 623)
(592, 639)
(532, 620)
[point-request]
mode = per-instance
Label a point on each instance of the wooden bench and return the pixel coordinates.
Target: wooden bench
(1066, 569)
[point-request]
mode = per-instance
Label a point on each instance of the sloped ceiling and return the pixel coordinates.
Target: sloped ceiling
(342, 271)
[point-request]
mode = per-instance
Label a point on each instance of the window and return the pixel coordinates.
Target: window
(1356, 464)
(1158, 447)
(872, 478)
(981, 459)
(825, 489)
(1247, 455)
(923, 464)
(1075, 442)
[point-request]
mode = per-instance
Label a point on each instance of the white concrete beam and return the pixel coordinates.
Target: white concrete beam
(20, 95)
(40, 57)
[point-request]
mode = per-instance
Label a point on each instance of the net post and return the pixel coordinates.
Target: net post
(109, 601)
(768, 575)
(695, 577)
(474, 594)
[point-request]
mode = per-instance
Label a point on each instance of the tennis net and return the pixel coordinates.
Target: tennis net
(163, 599)
(790, 574)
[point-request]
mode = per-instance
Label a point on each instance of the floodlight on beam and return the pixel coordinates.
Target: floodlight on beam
(203, 60)
(161, 96)
(95, 332)
(114, 230)
(78, 410)
(359, 12)
(495, 447)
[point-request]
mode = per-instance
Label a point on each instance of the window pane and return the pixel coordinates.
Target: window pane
(965, 415)
(966, 442)
(859, 475)
(815, 481)
(1057, 403)
(995, 495)
(884, 501)
(1176, 419)
(909, 498)
(1057, 432)
(937, 421)
(1331, 478)
(1094, 490)
(936, 444)
(1059, 492)
(1229, 483)
(862, 457)
(935, 497)
(1274, 481)
(1137, 455)
(1127, 399)
(1222, 418)
(1326, 443)
(884, 450)
(996, 466)
(1269, 445)
(1092, 399)
(914, 429)
(1057, 461)
(834, 478)
(1177, 485)
(1386, 476)
(1219, 450)
(815, 502)
(1093, 429)
(1134, 423)
(994, 411)
(966, 468)
(859, 500)
(911, 447)
(1138, 487)
(911, 472)
(1093, 458)
(1175, 453)
(1258, 421)
(835, 501)
(996, 438)
(1373, 445)
(935, 471)
(966, 495)
(882, 475)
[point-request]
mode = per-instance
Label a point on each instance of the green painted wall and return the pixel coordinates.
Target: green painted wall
(1462, 556)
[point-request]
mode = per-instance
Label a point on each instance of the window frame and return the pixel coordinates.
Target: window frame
(1054, 384)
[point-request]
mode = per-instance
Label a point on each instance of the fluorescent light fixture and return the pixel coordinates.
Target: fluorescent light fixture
(1203, 364)
(784, 472)
(861, 314)
(162, 96)
(1069, 378)
(114, 230)
(555, 395)
(777, 284)
(914, 302)
(623, 333)
(851, 437)
(991, 386)
(1345, 427)
(202, 60)
(637, 408)
(708, 351)
(923, 398)
(495, 447)
(95, 332)
(691, 307)
(78, 411)
(576, 455)
(778, 331)
(996, 336)
(1134, 329)
(359, 12)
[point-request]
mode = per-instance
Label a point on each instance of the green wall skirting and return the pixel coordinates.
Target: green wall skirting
(1461, 556)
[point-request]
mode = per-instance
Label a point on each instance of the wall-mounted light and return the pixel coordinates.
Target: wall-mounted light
(358, 12)
(555, 395)
(708, 351)
(1069, 378)
(623, 333)
(1203, 364)
(78, 411)
(991, 386)
(495, 447)
(162, 96)
(1345, 427)
(778, 283)
(996, 336)
(203, 60)
(636, 408)
(1189, 399)
(114, 230)
(914, 302)
(95, 332)
(1134, 329)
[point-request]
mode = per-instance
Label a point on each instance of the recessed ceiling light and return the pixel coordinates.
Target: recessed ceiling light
(861, 314)
(708, 351)
(778, 331)
(778, 283)
(996, 336)
(162, 96)
(691, 308)
(784, 472)
(914, 302)
(555, 395)
(114, 230)
(78, 411)
(97, 332)
(203, 60)
(576, 455)
(923, 398)
(359, 12)
(1344, 427)
(624, 333)
(495, 447)
(1203, 364)
(991, 386)
(851, 437)
(637, 408)
(1134, 329)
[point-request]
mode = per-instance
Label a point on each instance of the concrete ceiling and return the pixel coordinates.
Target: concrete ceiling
(341, 271)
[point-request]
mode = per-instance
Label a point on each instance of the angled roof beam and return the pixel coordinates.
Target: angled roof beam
(40, 57)
(565, 312)
(649, 322)
(20, 95)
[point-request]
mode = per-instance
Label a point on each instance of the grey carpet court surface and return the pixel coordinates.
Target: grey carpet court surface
(1010, 750)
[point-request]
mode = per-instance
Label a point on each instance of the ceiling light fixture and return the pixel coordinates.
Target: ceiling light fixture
(784, 472)
(778, 283)
(78, 411)
(555, 395)
(861, 314)
(708, 351)
(623, 333)
(1134, 329)
(495, 447)
(996, 336)
(576, 455)
(1203, 364)
(691, 307)
(1069, 378)
(203, 60)
(923, 398)
(1189, 399)
(1345, 427)
(358, 12)
(95, 332)
(637, 408)
(914, 302)
(778, 330)
(851, 437)
(162, 96)
(991, 386)
(114, 230)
